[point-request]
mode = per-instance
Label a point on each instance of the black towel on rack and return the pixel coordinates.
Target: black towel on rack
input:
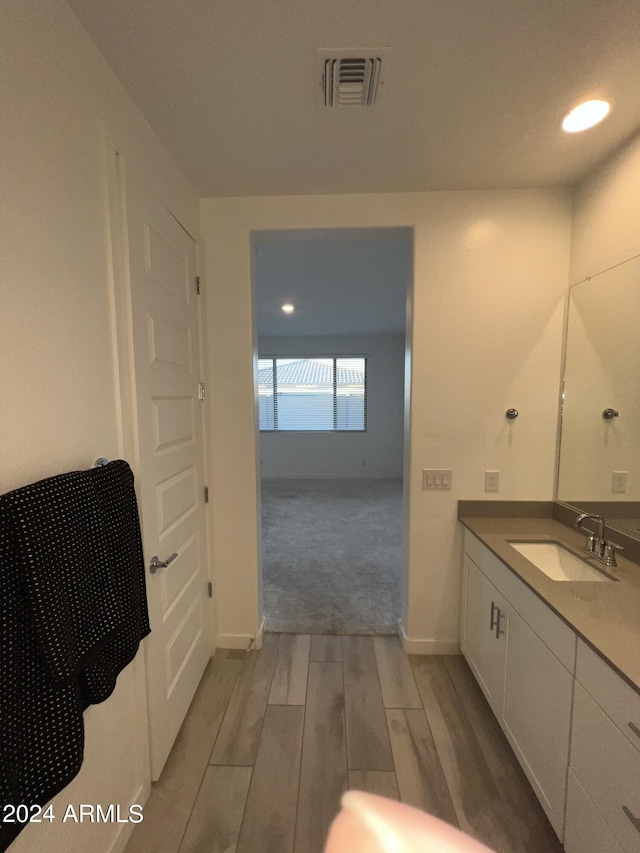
(41, 728)
(73, 610)
(116, 496)
(62, 545)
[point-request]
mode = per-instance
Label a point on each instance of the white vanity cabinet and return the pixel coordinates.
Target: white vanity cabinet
(537, 715)
(484, 641)
(523, 657)
(603, 804)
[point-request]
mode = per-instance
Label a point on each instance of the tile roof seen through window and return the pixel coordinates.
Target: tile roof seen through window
(308, 372)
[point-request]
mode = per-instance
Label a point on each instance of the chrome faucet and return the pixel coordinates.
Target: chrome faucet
(597, 546)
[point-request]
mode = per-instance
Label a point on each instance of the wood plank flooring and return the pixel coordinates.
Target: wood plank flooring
(274, 737)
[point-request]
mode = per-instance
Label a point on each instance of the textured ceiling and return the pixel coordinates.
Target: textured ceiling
(474, 94)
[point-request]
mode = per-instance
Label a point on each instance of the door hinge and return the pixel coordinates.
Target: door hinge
(210, 589)
(206, 494)
(198, 284)
(201, 391)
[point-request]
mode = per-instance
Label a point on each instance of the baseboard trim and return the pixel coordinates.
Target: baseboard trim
(261, 630)
(424, 646)
(234, 641)
(124, 834)
(242, 641)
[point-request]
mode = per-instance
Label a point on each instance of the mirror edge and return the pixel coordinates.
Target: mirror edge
(563, 509)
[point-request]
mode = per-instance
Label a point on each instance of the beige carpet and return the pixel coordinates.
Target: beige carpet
(331, 555)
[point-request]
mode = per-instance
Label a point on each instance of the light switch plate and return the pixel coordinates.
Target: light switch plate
(436, 478)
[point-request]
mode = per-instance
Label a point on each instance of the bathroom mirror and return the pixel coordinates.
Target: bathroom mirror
(599, 460)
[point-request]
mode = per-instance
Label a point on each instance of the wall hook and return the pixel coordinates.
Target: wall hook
(512, 414)
(100, 462)
(610, 414)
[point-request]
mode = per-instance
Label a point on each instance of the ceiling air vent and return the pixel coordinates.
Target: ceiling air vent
(352, 78)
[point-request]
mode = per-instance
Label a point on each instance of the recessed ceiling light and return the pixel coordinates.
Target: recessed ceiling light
(585, 115)
(288, 308)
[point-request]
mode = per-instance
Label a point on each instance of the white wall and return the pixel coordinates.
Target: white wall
(374, 454)
(490, 277)
(606, 225)
(58, 363)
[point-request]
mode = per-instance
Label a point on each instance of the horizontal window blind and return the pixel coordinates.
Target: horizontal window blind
(312, 394)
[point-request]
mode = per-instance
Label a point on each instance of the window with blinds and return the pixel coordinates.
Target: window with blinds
(312, 394)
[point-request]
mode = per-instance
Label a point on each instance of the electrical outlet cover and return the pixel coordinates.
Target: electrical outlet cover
(491, 481)
(619, 481)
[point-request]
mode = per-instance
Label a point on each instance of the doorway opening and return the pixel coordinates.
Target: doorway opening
(332, 357)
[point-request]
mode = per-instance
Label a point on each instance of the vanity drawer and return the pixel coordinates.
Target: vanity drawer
(616, 698)
(607, 768)
(553, 632)
(584, 830)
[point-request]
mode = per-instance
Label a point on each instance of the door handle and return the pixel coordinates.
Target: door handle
(499, 630)
(492, 621)
(156, 564)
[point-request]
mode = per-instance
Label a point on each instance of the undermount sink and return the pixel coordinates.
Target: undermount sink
(557, 562)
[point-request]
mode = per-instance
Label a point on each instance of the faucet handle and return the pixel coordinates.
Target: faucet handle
(609, 552)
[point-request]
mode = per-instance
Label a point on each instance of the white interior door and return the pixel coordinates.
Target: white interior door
(170, 432)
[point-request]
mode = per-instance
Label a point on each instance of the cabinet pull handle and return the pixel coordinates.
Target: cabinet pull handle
(492, 623)
(634, 820)
(634, 729)
(499, 631)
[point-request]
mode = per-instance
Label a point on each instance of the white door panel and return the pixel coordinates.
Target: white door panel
(169, 414)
